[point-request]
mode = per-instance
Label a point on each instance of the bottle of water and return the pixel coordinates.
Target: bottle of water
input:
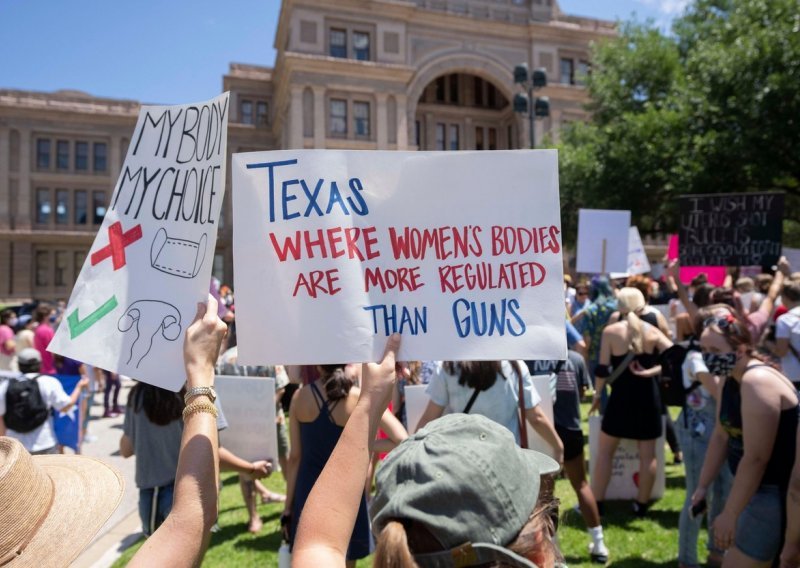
(284, 556)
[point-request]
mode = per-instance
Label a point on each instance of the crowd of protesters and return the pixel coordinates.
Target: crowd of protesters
(459, 487)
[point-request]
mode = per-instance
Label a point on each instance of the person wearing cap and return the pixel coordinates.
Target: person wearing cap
(42, 439)
(460, 492)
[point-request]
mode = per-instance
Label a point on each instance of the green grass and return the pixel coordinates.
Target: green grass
(633, 542)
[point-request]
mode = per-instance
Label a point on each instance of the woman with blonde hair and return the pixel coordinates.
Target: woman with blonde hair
(628, 361)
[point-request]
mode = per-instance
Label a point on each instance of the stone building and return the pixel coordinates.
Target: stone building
(355, 74)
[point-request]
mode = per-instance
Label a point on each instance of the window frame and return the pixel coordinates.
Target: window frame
(41, 144)
(368, 118)
(84, 144)
(96, 157)
(337, 30)
(336, 119)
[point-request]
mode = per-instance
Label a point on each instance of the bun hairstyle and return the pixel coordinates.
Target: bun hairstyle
(631, 300)
(337, 384)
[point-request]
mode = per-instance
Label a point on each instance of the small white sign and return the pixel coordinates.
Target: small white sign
(624, 483)
(603, 237)
(637, 258)
(249, 407)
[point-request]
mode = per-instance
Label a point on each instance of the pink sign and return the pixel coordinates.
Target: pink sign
(716, 274)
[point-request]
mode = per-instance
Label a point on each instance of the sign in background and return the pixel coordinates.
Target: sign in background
(249, 407)
(603, 237)
(624, 482)
(151, 260)
(68, 426)
(716, 274)
(459, 252)
(733, 229)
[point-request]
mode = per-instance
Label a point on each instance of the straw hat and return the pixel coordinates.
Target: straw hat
(52, 505)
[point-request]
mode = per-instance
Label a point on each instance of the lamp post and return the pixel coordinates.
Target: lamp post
(535, 107)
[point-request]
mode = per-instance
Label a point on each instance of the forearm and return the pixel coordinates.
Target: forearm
(745, 483)
(194, 508)
(715, 458)
(330, 511)
(231, 462)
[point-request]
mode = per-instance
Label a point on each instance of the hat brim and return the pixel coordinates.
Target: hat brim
(86, 492)
(539, 463)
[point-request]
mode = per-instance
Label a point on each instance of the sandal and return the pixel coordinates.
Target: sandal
(273, 498)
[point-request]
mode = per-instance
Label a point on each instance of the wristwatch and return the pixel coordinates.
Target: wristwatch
(200, 391)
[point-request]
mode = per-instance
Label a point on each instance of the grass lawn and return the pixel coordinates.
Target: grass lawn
(633, 542)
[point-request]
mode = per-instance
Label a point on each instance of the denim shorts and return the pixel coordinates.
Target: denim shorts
(758, 530)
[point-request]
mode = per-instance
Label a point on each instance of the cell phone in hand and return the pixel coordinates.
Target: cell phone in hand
(699, 508)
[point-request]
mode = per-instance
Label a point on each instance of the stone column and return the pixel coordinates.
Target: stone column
(25, 195)
(319, 117)
(382, 120)
(296, 118)
(402, 121)
(5, 169)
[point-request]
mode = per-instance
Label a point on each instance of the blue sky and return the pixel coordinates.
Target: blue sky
(174, 51)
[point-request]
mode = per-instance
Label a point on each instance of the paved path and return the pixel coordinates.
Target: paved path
(123, 527)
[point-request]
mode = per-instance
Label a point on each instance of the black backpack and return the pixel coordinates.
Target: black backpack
(25, 407)
(673, 393)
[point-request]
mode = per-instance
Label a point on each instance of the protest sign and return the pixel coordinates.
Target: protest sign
(793, 256)
(637, 258)
(249, 407)
(716, 274)
(731, 229)
(460, 252)
(416, 403)
(603, 237)
(151, 260)
(624, 482)
(68, 426)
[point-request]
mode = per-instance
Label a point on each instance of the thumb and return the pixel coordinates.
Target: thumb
(390, 353)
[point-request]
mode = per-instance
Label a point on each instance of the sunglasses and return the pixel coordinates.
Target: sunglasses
(724, 323)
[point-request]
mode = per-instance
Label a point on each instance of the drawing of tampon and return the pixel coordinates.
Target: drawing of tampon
(178, 257)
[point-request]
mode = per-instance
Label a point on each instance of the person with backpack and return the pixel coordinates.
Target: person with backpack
(26, 403)
(787, 334)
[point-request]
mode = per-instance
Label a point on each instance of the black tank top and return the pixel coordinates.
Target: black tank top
(779, 467)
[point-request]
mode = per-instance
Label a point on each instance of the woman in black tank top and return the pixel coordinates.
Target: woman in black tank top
(755, 436)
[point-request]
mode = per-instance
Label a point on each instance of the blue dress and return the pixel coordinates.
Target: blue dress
(318, 439)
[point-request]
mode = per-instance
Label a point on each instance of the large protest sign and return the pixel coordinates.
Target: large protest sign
(459, 252)
(249, 407)
(793, 256)
(151, 260)
(624, 482)
(603, 237)
(715, 274)
(731, 229)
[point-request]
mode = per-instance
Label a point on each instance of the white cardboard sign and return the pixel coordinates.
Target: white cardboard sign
(603, 237)
(637, 258)
(151, 260)
(249, 407)
(624, 482)
(460, 252)
(416, 403)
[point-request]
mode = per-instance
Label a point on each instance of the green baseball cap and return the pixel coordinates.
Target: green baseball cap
(465, 479)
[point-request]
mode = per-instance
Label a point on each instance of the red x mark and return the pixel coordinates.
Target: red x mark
(117, 241)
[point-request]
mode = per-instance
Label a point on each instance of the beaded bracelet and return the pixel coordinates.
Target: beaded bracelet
(196, 407)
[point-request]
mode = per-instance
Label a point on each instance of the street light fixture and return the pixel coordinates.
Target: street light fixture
(535, 107)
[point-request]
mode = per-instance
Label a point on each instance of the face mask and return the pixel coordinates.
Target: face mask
(720, 364)
(13, 322)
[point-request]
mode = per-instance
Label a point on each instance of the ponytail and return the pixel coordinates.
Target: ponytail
(392, 548)
(635, 332)
(337, 384)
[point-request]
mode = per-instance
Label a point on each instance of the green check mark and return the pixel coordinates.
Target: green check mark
(77, 326)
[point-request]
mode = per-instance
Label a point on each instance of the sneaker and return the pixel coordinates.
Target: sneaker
(598, 552)
(107, 414)
(116, 410)
(89, 438)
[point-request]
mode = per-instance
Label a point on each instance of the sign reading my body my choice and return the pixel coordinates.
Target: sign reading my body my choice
(151, 260)
(733, 229)
(336, 250)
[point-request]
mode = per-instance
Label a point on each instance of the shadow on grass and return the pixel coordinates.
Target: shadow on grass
(619, 514)
(244, 540)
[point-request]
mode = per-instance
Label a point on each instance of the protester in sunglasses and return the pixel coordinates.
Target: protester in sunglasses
(756, 431)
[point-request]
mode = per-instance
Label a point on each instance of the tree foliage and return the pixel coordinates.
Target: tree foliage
(713, 108)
